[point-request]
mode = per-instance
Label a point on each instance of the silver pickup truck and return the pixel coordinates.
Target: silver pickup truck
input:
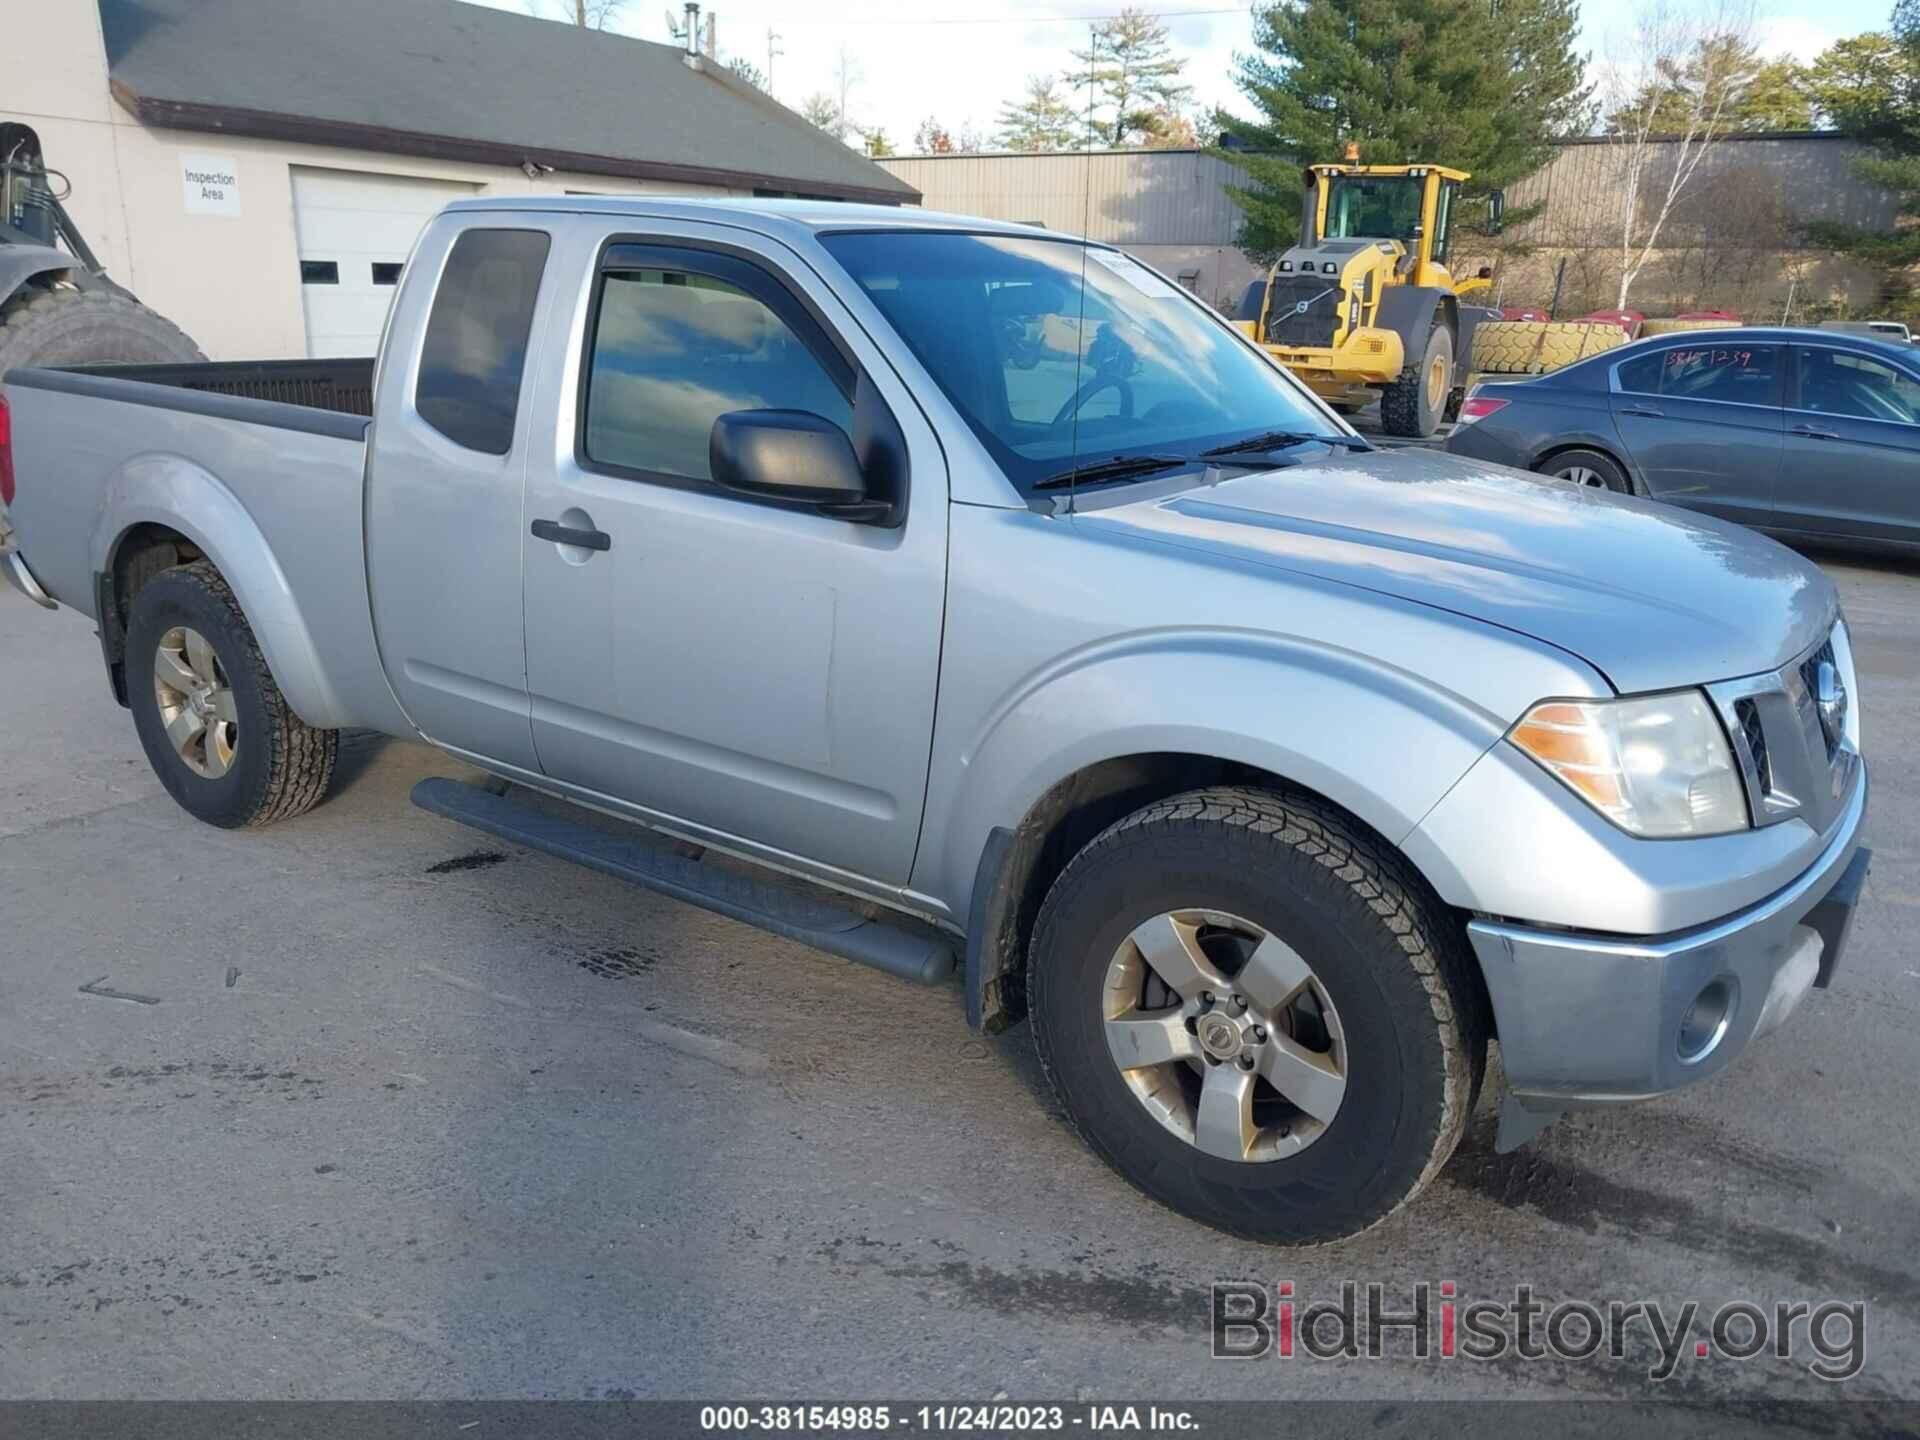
(962, 589)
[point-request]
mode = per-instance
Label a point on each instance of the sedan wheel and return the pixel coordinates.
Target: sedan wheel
(1590, 470)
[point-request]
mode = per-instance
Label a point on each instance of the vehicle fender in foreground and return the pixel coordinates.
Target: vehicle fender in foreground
(1373, 739)
(173, 493)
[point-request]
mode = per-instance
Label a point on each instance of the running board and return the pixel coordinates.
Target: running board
(781, 908)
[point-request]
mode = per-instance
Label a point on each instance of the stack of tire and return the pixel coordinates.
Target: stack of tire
(1533, 347)
(1698, 320)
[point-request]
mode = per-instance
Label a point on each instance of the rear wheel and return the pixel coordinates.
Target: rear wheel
(215, 726)
(1414, 405)
(1590, 470)
(88, 327)
(1257, 1013)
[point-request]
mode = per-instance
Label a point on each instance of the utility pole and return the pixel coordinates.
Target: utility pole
(773, 49)
(711, 49)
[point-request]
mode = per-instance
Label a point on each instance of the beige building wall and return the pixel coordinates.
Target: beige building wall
(231, 281)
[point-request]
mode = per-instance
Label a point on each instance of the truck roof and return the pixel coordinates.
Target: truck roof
(770, 216)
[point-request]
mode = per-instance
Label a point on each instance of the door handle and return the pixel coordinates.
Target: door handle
(1810, 433)
(566, 535)
(1646, 410)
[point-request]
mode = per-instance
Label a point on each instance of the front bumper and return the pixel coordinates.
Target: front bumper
(1365, 356)
(1587, 1019)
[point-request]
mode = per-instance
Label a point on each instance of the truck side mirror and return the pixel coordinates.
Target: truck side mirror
(1496, 208)
(791, 455)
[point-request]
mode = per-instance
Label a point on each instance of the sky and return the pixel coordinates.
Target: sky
(961, 60)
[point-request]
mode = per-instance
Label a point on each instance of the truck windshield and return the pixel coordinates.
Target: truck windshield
(1054, 373)
(1373, 207)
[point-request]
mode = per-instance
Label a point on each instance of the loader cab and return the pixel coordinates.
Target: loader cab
(1412, 205)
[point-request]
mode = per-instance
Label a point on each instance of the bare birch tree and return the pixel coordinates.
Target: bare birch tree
(1670, 103)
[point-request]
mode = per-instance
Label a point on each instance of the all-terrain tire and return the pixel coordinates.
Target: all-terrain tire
(1391, 958)
(1409, 407)
(1533, 347)
(1674, 327)
(87, 327)
(281, 766)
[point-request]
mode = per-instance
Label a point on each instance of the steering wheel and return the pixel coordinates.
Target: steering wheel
(1093, 387)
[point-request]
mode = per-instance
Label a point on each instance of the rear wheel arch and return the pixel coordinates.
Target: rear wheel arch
(197, 518)
(141, 552)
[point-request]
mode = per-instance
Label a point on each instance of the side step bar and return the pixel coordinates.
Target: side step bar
(783, 909)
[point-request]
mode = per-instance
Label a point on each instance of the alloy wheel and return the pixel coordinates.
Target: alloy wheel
(1225, 1034)
(196, 702)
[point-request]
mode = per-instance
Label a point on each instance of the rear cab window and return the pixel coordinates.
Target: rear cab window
(475, 350)
(1728, 374)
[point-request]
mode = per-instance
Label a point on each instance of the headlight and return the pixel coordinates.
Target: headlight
(1655, 765)
(1843, 662)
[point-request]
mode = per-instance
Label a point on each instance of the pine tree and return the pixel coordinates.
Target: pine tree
(1041, 121)
(1485, 86)
(1133, 73)
(1869, 87)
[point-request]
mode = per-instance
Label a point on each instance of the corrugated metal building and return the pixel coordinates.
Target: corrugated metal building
(1731, 240)
(1169, 207)
(1801, 176)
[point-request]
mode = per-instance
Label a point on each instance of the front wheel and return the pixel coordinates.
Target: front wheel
(1257, 1013)
(215, 726)
(1415, 404)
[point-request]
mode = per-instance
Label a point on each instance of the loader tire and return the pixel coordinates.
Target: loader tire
(1414, 405)
(88, 327)
(1672, 327)
(1533, 347)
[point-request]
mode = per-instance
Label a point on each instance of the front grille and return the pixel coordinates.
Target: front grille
(1791, 767)
(1287, 326)
(1748, 714)
(1810, 675)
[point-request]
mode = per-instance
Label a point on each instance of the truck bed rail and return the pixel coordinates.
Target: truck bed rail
(342, 386)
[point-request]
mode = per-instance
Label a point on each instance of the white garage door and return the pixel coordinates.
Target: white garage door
(354, 232)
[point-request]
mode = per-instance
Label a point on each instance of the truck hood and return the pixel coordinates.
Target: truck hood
(1653, 597)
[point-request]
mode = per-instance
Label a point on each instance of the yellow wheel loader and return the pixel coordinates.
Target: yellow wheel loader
(1364, 302)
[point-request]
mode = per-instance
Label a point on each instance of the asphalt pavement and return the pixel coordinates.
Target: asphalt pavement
(367, 1105)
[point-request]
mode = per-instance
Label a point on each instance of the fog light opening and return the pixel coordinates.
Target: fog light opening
(1707, 1020)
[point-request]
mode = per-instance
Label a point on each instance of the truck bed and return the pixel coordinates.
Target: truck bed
(257, 466)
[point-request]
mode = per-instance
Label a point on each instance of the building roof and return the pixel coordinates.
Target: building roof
(462, 82)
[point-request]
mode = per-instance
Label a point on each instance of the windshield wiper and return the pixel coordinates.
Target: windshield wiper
(1118, 467)
(1285, 439)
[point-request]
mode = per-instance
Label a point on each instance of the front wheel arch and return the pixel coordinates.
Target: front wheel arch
(1019, 865)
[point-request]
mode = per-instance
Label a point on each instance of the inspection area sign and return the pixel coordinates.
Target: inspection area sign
(212, 183)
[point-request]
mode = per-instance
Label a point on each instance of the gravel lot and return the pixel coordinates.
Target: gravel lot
(413, 1114)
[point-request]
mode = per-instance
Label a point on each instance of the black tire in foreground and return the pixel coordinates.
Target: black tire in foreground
(1381, 1046)
(1414, 404)
(1589, 469)
(215, 726)
(87, 327)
